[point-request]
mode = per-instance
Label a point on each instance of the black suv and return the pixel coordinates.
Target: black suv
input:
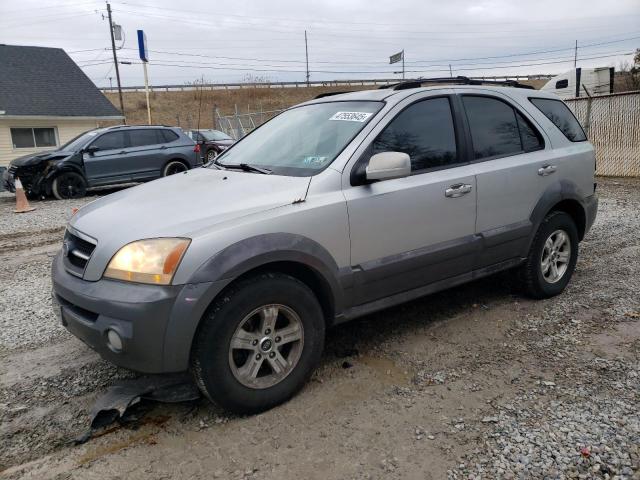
(104, 156)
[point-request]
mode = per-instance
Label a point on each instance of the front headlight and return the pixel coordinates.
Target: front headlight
(148, 261)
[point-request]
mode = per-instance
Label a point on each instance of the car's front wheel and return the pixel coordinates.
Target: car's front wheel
(259, 343)
(552, 256)
(69, 185)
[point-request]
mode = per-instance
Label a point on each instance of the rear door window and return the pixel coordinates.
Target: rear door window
(531, 138)
(142, 138)
(561, 116)
(494, 127)
(111, 141)
(425, 132)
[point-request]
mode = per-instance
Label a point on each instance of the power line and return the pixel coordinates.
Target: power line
(415, 62)
(232, 66)
(322, 21)
(293, 30)
(50, 18)
(59, 5)
(210, 67)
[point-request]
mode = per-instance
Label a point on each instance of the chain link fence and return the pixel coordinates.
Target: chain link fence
(612, 123)
(240, 124)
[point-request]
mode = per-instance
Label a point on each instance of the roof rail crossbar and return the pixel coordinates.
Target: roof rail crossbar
(459, 80)
(328, 94)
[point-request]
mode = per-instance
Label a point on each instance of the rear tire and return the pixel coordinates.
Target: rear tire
(173, 167)
(552, 257)
(211, 155)
(69, 185)
(258, 344)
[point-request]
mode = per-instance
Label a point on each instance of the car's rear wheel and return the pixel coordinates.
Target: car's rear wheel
(211, 155)
(69, 185)
(173, 167)
(259, 343)
(552, 257)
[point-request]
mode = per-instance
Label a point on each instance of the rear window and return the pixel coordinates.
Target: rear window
(561, 116)
(168, 135)
(142, 138)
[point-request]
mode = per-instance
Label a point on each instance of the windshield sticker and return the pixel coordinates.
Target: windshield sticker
(314, 160)
(351, 116)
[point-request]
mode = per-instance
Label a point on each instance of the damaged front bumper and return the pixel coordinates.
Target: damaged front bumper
(32, 177)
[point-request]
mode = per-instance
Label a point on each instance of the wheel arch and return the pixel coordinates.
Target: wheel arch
(291, 254)
(57, 170)
(564, 196)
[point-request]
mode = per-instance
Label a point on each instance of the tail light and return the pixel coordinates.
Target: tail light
(197, 148)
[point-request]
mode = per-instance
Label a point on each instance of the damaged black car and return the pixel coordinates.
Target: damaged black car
(101, 157)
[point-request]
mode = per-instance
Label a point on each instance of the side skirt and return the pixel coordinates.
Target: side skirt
(434, 287)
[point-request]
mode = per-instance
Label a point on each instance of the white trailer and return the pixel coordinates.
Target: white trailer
(579, 81)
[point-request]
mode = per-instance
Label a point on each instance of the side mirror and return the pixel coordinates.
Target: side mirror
(388, 165)
(91, 150)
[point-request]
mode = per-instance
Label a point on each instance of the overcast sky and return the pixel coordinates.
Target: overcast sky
(230, 41)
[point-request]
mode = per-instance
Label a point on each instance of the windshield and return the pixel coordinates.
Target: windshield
(214, 135)
(80, 141)
(304, 140)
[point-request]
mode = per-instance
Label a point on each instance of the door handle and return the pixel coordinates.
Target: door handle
(546, 170)
(457, 190)
(122, 152)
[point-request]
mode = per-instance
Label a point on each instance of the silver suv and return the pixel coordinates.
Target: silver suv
(334, 209)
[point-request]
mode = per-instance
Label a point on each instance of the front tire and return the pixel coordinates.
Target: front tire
(259, 343)
(69, 185)
(552, 257)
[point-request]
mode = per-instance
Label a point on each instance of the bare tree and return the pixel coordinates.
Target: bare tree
(631, 72)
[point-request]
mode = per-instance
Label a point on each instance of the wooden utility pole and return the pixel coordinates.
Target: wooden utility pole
(306, 54)
(575, 57)
(115, 62)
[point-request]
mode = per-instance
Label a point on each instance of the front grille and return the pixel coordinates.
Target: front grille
(77, 252)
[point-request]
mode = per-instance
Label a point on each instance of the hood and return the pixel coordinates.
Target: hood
(184, 205)
(35, 158)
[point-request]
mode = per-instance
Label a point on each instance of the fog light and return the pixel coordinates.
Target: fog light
(114, 341)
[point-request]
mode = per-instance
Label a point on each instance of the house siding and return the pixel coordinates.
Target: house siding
(65, 131)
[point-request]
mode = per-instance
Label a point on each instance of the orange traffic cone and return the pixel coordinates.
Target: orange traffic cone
(22, 204)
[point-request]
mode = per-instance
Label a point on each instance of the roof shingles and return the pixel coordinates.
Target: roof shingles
(46, 81)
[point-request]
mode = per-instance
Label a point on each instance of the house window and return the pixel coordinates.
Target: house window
(33, 137)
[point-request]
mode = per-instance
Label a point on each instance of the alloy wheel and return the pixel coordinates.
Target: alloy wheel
(70, 186)
(556, 255)
(266, 346)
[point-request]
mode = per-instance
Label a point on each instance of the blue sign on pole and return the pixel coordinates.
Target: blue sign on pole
(142, 46)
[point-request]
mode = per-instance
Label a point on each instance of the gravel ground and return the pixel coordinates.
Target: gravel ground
(475, 382)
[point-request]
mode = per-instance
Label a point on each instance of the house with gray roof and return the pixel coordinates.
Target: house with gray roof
(45, 101)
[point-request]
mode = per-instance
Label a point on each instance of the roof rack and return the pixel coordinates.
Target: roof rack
(328, 94)
(459, 80)
(137, 126)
